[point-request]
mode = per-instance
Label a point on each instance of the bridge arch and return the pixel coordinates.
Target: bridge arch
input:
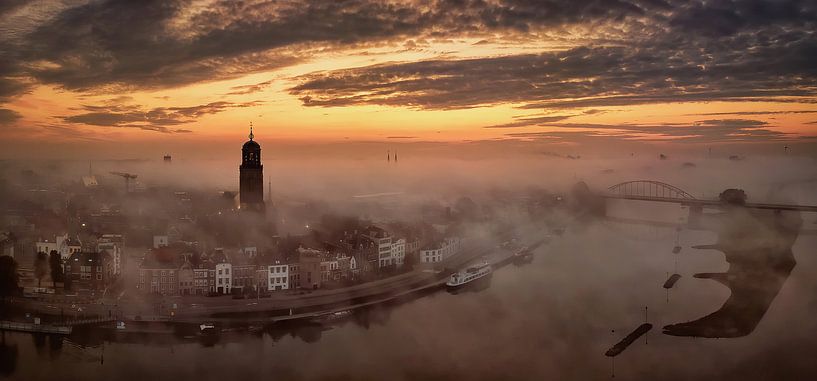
(649, 189)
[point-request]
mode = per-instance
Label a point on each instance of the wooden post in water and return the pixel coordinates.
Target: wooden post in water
(646, 320)
(613, 360)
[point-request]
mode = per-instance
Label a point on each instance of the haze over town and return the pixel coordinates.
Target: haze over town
(408, 190)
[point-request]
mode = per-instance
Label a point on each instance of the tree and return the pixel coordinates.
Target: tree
(55, 262)
(8, 276)
(733, 197)
(40, 267)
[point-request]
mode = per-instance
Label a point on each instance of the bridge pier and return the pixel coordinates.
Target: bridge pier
(695, 215)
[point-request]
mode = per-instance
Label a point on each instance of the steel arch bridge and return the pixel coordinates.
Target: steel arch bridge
(649, 190)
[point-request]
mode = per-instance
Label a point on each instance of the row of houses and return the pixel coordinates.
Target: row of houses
(179, 269)
(66, 246)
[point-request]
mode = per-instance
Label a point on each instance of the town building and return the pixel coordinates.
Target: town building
(160, 241)
(89, 270)
(243, 275)
(202, 284)
(398, 252)
(262, 279)
(224, 277)
(249, 252)
(330, 269)
(159, 270)
(62, 244)
(114, 244)
(278, 277)
(381, 241)
(440, 251)
(294, 275)
(309, 268)
(187, 277)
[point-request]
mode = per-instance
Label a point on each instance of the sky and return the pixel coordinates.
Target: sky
(138, 79)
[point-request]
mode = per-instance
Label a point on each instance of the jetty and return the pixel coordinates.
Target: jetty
(615, 350)
(35, 328)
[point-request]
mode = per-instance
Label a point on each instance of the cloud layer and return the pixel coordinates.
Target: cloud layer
(156, 119)
(605, 53)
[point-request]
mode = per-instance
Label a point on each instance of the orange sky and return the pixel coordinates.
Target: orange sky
(386, 109)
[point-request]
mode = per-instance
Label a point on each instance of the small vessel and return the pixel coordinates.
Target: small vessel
(676, 249)
(523, 255)
(207, 329)
(332, 317)
(120, 325)
(470, 274)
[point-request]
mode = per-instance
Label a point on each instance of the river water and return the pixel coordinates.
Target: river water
(551, 319)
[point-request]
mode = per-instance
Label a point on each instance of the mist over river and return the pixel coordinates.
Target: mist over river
(551, 319)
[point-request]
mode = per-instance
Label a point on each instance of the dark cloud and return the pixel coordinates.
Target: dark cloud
(748, 113)
(156, 43)
(724, 18)
(531, 121)
(632, 51)
(401, 137)
(11, 5)
(8, 116)
(704, 131)
(249, 89)
(580, 77)
(156, 119)
(10, 88)
(139, 43)
(660, 59)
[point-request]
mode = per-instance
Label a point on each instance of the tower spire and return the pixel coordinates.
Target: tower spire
(251, 134)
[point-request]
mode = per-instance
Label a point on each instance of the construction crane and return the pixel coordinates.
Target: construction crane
(128, 177)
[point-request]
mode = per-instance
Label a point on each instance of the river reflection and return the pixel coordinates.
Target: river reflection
(550, 319)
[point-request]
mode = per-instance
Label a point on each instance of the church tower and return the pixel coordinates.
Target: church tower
(251, 172)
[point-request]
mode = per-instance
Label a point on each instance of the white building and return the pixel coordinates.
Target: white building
(249, 252)
(398, 252)
(224, 277)
(278, 277)
(160, 241)
(113, 244)
(440, 251)
(61, 244)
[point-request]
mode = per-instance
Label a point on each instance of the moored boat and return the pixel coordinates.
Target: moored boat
(469, 275)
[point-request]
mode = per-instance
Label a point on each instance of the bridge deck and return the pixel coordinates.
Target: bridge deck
(715, 203)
